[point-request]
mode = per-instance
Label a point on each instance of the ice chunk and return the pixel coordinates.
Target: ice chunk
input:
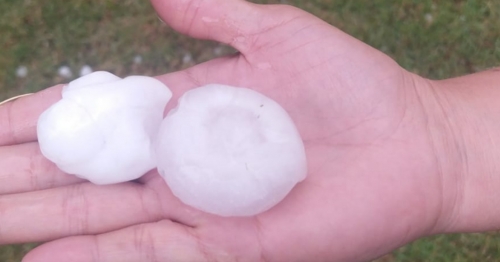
(85, 70)
(104, 127)
(65, 72)
(137, 59)
(230, 151)
(22, 72)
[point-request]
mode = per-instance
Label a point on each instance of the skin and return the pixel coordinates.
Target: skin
(392, 156)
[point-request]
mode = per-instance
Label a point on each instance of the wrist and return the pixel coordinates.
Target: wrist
(464, 127)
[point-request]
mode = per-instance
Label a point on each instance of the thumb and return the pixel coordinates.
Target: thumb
(234, 22)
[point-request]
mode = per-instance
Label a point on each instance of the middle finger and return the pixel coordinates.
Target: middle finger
(74, 210)
(23, 168)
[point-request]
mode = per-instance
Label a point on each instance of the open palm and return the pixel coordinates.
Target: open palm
(372, 185)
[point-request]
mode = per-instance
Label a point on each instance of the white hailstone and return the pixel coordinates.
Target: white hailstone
(137, 59)
(104, 128)
(230, 151)
(218, 50)
(429, 18)
(187, 58)
(22, 72)
(65, 72)
(85, 70)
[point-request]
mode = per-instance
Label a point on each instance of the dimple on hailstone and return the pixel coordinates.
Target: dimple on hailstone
(104, 128)
(230, 151)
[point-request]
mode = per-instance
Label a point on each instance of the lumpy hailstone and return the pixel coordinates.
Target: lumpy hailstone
(104, 128)
(230, 151)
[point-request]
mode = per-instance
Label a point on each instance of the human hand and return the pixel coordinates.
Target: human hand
(373, 184)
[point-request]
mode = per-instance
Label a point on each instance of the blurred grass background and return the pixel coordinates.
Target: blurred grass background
(436, 39)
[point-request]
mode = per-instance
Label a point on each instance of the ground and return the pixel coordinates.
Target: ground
(436, 39)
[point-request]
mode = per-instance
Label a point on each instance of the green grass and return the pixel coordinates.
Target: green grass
(436, 39)
(104, 34)
(450, 248)
(14, 253)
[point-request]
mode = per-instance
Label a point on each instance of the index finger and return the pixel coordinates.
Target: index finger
(18, 118)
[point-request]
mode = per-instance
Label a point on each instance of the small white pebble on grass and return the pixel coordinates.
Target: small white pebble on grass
(22, 72)
(86, 69)
(65, 72)
(137, 59)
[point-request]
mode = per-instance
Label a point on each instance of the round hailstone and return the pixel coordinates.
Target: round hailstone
(230, 151)
(65, 72)
(137, 59)
(187, 58)
(85, 70)
(22, 72)
(104, 128)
